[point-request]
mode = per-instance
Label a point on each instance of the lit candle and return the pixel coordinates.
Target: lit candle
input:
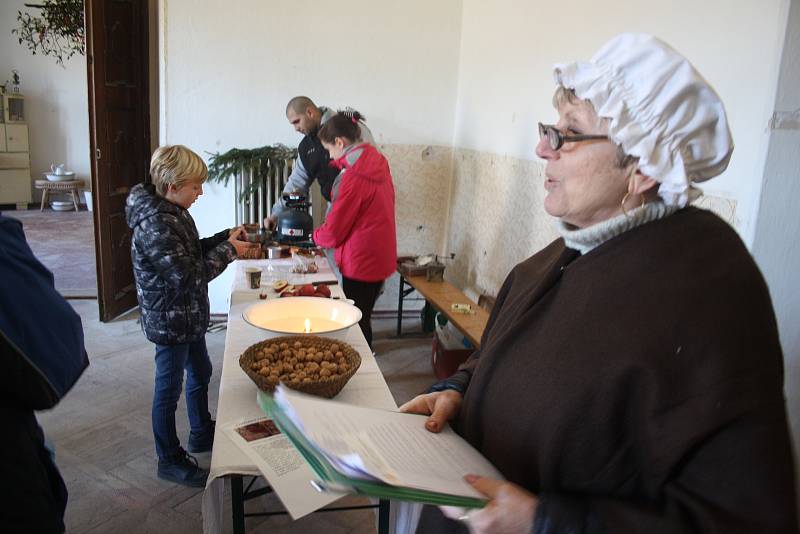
(308, 326)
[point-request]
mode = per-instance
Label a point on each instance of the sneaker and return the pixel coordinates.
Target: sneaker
(202, 443)
(184, 470)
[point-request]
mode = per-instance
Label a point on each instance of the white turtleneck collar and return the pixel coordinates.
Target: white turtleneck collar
(585, 239)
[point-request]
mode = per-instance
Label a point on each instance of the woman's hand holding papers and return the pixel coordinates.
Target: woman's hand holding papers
(442, 406)
(510, 510)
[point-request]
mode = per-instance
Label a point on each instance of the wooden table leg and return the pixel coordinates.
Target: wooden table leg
(45, 193)
(75, 199)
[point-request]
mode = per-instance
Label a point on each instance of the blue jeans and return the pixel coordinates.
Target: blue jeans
(171, 360)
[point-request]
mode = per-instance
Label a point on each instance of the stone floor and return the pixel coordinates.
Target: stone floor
(64, 242)
(103, 443)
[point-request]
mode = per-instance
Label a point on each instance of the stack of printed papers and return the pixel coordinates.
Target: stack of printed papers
(378, 453)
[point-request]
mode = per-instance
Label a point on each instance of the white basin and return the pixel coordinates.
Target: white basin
(60, 177)
(298, 315)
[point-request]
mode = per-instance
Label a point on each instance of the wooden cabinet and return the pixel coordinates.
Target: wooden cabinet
(15, 161)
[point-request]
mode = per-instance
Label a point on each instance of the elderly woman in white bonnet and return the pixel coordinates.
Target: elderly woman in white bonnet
(630, 378)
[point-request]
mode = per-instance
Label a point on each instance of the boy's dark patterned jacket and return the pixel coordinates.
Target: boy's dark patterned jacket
(172, 266)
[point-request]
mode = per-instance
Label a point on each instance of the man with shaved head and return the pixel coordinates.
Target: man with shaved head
(312, 159)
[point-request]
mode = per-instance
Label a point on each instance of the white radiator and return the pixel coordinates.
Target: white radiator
(254, 198)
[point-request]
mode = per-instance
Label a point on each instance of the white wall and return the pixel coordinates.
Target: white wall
(56, 103)
(508, 48)
(776, 246)
(228, 69)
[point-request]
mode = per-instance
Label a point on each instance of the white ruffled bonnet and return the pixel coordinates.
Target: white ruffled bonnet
(660, 109)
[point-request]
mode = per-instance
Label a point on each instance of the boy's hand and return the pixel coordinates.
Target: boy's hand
(239, 232)
(271, 222)
(240, 246)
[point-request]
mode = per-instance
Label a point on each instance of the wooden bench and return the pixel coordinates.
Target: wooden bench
(442, 295)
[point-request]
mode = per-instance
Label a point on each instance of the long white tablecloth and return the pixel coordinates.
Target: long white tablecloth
(237, 393)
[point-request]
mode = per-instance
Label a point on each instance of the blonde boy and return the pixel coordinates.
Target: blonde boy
(172, 267)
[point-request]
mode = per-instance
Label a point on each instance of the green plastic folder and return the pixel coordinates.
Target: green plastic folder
(332, 479)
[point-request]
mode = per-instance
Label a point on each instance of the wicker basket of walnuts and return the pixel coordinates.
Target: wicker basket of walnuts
(315, 365)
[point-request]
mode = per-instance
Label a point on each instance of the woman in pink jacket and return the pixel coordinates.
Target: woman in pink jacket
(360, 226)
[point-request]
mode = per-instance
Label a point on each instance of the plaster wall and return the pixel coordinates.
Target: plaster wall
(776, 246)
(505, 223)
(56, 101)
(508, 49)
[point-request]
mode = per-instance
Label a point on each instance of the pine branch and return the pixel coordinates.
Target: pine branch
(264, 161)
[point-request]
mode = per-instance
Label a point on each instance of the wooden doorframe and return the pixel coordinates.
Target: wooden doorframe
(112, 303)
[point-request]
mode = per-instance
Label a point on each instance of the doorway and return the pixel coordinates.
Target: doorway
(113, 141)
(49, 125)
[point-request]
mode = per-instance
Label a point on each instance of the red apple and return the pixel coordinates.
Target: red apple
(324, 289)
(307, 290)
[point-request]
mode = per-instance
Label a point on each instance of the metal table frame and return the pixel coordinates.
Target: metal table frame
(402, 293)
(240, 494)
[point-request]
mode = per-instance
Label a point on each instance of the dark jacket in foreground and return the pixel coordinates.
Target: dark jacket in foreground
(172, 266)
(637, 388)
(42, 356)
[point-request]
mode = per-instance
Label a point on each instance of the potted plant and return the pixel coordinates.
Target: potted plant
(58, 31)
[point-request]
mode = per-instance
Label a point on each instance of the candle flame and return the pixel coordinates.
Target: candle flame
(308, 326)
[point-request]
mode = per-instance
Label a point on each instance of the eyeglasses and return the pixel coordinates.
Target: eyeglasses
(556, 139)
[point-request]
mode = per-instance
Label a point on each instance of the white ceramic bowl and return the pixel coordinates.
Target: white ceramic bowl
(327, 317)
(60, 205)
(60, 177)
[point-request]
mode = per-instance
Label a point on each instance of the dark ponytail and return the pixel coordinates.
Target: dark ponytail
(343, 124)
